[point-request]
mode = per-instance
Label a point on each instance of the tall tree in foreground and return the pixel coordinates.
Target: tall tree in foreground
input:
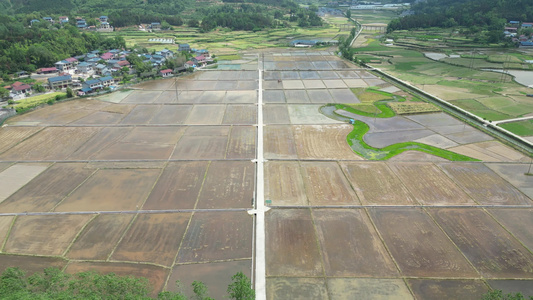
(241, 288)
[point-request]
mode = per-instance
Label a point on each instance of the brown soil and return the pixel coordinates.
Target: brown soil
(153, 238)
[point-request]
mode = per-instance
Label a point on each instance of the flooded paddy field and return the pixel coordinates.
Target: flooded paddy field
(157, 182)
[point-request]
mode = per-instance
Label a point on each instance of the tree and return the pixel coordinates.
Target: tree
(349, 14)
(39, 88)
(241, 288)
(200, 291)
(70, 93)
(193, 23)
(498, 295)
(4, 93)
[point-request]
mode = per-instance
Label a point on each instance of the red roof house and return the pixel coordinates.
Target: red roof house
(21, 89)
(107, 56)
(166, 72)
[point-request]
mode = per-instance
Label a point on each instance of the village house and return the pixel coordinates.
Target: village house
(514, 24)
(189, 64)
(184, 47)
(63, 65)
(49, 19)
(107, 56)
(73, 61)
(102, 69)
(155, 26)
(157, 60)
(85, 67)
(81, 23)
(60, 82)
(165, 53)
(121, 64)
(166, 73)
(47, 70)
(527, 25)
(63, 19)
(103, 19)
(92, 85)
(18, 88)
(105, 26)
(203, 52)
(93, 61)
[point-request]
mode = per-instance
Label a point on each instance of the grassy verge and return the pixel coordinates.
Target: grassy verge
(32, 102)
(358, 145)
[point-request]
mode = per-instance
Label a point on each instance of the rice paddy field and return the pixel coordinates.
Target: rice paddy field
(160, 181)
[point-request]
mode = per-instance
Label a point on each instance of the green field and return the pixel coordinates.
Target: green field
(224, 41)
(522, 128)
(460, 80)
(31, 102)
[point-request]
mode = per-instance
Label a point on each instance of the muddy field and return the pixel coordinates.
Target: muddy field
(279, 142)
(488, 246)
(419, 247)
(215, 236)
(152, 238)
(358, 251)
(178, 186)
(284, 184)
(429, 185)
(326, 142)
(326, 184)
(111, 190)
(292, 249)
(375, 184)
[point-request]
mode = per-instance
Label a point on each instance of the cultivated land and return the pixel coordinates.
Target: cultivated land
(158, 184)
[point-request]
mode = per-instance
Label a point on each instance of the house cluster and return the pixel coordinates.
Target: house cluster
(18, 88)
(102, 24)
(61, 20)
(201, 57)
(365, 5)
(92, 63)
(512, 30)
(323, 11)
(101, 69)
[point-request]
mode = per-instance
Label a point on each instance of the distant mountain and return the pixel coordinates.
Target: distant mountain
(167, 7)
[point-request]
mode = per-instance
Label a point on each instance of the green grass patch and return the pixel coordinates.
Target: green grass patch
(370, 95)
(384, 111)
(406, 108)
(31, 102)
(358, 145)
(229, 57)
(522, 128)
(366, 108)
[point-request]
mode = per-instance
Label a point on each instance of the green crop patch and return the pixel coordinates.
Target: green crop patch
(522, 128)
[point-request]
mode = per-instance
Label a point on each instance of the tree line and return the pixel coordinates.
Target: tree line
(26, 49)
(477, 15)
(55, 284)
(252, 16)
